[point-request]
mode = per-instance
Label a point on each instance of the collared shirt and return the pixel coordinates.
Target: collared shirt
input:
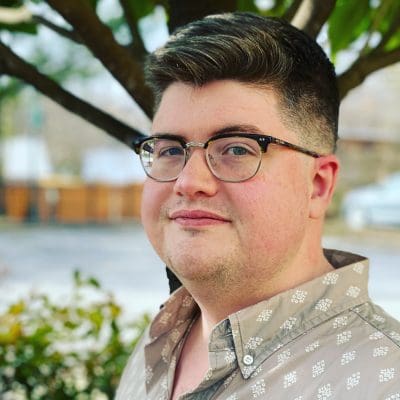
(322, 340)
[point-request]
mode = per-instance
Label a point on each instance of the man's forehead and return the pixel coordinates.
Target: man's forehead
(192, 91)
(217, 106)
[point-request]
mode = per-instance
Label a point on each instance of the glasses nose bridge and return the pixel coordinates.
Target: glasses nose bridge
(193, 145)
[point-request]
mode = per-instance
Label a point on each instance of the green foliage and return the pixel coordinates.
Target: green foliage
(75, 350)
(23, 27)
(11, 3)
(352, 20)
(140, 9)
(279, 8)
(247, 5)
(393, 16)
(348, 21)
(9, 88)
(94, 3)
(394, 42)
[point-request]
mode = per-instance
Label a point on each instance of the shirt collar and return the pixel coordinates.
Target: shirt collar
(178, 309)
(260, 330)
(256, 332)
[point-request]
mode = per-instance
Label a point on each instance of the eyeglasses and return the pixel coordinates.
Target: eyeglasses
(231, 157)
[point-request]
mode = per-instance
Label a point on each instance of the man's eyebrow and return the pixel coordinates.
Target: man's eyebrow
(243, 128)
(167, 134)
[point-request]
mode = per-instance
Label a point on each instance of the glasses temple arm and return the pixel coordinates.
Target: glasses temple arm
(294, 147)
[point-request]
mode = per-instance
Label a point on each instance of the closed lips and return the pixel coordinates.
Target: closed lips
(197, 214)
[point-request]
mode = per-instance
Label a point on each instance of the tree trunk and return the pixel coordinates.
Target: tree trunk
(183, 11)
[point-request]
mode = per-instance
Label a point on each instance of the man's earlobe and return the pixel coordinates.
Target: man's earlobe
(324, 182)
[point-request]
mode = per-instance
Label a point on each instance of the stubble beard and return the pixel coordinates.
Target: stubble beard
(194, 267)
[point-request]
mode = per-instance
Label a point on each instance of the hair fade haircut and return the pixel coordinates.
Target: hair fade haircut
(262, 52)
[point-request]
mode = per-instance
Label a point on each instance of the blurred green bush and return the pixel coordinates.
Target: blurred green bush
(74, 349)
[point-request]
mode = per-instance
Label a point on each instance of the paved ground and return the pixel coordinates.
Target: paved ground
(43, 258)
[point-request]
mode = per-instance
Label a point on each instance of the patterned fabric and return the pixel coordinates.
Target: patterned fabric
(322, 340)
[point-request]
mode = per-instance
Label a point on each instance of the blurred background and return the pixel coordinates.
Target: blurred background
(70, 188)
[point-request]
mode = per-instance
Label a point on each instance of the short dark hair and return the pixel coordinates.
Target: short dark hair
(260, 51)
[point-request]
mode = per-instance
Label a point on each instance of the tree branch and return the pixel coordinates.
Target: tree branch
(292, 10)
(14, 16)
(312, 15)
(393, 28)
(13, 65)
(137, 47)
(67, 33)
(364, 66)
(112, 55)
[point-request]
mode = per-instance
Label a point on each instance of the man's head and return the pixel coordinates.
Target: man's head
(264, 52)
(216, 233)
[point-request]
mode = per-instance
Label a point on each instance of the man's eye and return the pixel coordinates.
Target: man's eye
(238, 150)
(171, 151)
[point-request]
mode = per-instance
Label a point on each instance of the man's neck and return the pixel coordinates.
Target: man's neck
(217, 303)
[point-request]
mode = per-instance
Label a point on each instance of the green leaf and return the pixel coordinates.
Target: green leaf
(13, 333)
(140, 9)
(394, 42)
(94, 3)
(10, 88)
(71, 325)
(97, 318)
(23, 27)
(247, 5)
(391, 17)
(279, 8)
(115, 310)
(11, 3)
(116, 23)
(17, 308)
(349, 20)
(94, 282)
(77, 278)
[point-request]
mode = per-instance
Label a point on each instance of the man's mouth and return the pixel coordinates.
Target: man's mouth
(197, 218)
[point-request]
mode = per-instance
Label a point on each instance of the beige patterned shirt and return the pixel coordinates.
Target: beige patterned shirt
(322, 340)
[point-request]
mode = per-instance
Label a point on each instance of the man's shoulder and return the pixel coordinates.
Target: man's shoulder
(382, 323)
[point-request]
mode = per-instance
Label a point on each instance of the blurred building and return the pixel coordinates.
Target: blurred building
(369, 129)
(67, 170)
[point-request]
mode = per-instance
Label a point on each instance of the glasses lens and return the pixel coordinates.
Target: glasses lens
(234, 159)
(162, 159)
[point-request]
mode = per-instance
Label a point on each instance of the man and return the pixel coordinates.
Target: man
(241, 171)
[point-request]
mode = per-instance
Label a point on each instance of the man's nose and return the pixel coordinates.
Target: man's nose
(196, 179)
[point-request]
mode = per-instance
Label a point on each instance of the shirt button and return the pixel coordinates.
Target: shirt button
(248, 359)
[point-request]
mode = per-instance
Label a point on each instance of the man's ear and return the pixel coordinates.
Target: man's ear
(324, 181)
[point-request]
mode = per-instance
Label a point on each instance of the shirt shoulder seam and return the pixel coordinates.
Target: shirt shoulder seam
(376, 327)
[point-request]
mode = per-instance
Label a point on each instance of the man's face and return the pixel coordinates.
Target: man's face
(207, 230)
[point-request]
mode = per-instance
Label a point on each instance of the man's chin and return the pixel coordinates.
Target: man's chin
(199, 266)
